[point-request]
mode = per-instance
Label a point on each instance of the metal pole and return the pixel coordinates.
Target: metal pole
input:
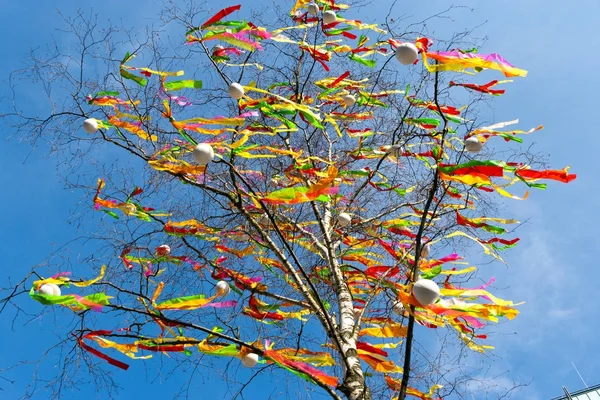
(567, 393)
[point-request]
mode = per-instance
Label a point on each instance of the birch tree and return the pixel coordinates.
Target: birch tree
(299, 196)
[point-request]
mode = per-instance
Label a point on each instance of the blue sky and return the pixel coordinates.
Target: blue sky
(553, 270)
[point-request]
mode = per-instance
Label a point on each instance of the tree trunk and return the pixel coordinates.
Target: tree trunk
(354, 386)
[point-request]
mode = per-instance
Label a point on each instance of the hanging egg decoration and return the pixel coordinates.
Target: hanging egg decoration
(203, 153)
(312, 8)
(49, 289)
(348, 100)
(407, 53)
(163, 250)
(396, 150)
(235, 90)
(473, 145)
(398, 308)
(217, 49)
(264, 220)
(426, 291)
(425, 250)
(250, 360)
(329, 17)
(344, 219)
(222, 288)
(128, 208)
(90, 125)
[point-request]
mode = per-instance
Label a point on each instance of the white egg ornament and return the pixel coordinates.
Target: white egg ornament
(217, 49)
(407, 53)
(348, 100)
(90, 125)
(473, 145)
(163, 250)
(235, 90)
(425, 250)
(329, 17)
(203, 153)
(250, 360)
(312, 8)
(128, 208)
(398, 308)
(222, 288)
(344, 219)
(49, 289)
(396, 150)
(426, 291)
(264, 220)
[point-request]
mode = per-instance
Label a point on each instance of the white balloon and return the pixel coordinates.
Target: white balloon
(348, 100)
(250, 360)
(235, 90)
(344, 219)
(49, 289)
(90, 125)
(223, 288)
(313, 8)
(473, 144)
(329, 17)
(407, 53)
(396, 150)
(425, 250)
(426, 291)
(203, 153)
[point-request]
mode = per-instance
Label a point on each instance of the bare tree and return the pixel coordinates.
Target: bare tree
(298, 184)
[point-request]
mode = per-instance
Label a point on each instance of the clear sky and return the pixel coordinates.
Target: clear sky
(553, 270)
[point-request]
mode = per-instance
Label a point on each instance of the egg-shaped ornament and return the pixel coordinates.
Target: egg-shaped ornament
(222, 288)
(90, 125)
(49, 289)
(407, 53)
(203, 153)
(473, 145)
(128, 208)
(235, 90)
(396, 150)
(425, 250)
(312, 8)
(426, 291)
(217, 49)
(329, 17)
(398, 308)
(163, 250)
(250, 360)
(264, 220)
(344, 219)
(348, 100)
